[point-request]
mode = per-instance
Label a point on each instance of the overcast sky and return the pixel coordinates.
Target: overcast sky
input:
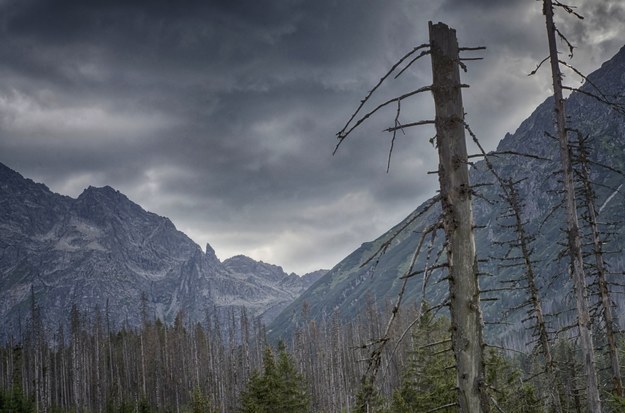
(222, 114)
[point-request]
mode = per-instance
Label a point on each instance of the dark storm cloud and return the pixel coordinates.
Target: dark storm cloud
(221, 114)
(481, 6)
(598, 34)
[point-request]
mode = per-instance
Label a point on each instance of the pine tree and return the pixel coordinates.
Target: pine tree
(508, 390)
(14, 399)
(253, 397)
(428, 382)
(369, 399)
(292, 391)
(280, 388)
(199, 402)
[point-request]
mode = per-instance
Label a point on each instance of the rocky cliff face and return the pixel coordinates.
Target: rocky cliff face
(269, 281)
(101, 250)
(345, 287)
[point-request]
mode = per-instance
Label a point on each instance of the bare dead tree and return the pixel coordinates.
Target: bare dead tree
(573, 232)
(523, 243)
(455, 193)
(457, 219)
(605, 301)
(523, 258)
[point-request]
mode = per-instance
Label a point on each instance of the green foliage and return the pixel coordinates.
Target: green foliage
(279, 389)
(568, 375)
(14, 401)
(199, 402)
(508, 391)
(615, 403)
(368, 399)
(428, 382)
(144, 406)
(122, 407)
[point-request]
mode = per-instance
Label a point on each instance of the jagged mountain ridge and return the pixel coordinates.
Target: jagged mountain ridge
(347, 287)
(102, 248)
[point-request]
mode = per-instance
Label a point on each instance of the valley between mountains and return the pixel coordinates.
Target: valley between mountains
(103, 251)
(104, 304)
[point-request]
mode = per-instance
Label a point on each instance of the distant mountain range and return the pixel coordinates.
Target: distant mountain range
(102, 251)
(358, 279)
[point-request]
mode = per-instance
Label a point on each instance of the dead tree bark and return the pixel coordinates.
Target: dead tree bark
(604, 293)
(523, 242)
(455, 195)
(574, 241)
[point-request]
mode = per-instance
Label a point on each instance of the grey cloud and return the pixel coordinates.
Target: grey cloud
(481, 5)
(598, 35)
(222, 114)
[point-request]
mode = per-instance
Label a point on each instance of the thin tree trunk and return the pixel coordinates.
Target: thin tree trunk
(574, 241)
(604, 293)
(458, 221)
(142, 348)
(543, 337)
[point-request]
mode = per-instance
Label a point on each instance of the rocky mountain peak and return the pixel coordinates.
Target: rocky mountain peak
(108, 207)
(210, 253)
(12, 182)
(27, 207)
(102, 247)
(611, 70)
(101, 192)
(7, 174)
(107, 198)
(241, 261)
(244, 265)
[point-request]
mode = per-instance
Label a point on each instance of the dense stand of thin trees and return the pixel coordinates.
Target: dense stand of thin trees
(178, 367)
(92, 368)
(161, 367)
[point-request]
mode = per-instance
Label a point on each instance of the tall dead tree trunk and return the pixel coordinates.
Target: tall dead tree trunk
(455, 194)
(574, 241)
(604, 293)
(523, 242)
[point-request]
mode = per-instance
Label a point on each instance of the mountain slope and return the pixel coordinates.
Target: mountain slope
(103, 250)
(344, 288)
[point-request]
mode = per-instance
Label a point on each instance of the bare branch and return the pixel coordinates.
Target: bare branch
(563, 38)
(434, 267)
(436, 409)
(362, 102)
(390, 151)
(584, 78)
(376, 353)
(496, 405)
(569, 9)
(533, 72)
(506, 349)
(342, 135)
(617, 107)
(462, 49)
(526, 155)
(388, 242)
(438, 343)
(410, 125)
(423, 53)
